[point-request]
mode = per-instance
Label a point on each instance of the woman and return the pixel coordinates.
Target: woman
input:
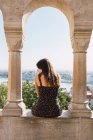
(47, 82)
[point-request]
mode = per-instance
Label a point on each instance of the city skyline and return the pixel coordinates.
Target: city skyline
(46, 36)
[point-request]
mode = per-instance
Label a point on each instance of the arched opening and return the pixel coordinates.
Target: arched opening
(47, 35)
(90, 72)
(3, 63)
(3, 46)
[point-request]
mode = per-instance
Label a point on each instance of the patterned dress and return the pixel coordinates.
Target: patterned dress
(46, 105)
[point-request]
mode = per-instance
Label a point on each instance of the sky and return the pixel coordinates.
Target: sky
(47, 35)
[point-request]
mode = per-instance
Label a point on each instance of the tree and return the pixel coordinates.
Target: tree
(63, 98)
(3, 95)
(29, 94)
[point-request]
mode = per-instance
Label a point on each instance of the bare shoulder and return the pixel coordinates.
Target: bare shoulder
(37, 78)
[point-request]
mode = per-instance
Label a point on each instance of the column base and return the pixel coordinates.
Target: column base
(13, 108)
(79, 110)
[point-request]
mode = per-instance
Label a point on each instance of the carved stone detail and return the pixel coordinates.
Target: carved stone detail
(81, 40)
(14, 38)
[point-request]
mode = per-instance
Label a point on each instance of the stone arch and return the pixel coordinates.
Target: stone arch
(59, 4)
(1, 15)
(51, 15)
(3, 45)
(1, 21)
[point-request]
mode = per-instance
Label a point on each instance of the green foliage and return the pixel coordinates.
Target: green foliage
(30, 98)
(29, 94)
(3, 95)
(63, 98)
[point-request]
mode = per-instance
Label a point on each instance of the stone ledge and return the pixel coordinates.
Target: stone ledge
(27, 113)
(37, 128)
(65, 114)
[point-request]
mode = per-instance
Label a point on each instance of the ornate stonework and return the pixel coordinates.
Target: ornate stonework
(81, 40)
(14, 38)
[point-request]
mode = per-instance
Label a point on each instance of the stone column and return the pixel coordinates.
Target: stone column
(14, 105)
(79, 104)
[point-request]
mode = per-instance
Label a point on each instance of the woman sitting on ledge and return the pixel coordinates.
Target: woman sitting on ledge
(47, 82)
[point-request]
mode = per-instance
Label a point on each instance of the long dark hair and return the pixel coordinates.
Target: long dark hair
(48, 71)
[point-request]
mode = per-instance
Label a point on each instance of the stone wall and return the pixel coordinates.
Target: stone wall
(32, 128)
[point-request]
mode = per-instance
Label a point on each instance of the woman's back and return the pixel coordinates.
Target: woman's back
(46, 90)
(46, 105)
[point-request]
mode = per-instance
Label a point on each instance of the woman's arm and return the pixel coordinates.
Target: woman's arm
(36, 86)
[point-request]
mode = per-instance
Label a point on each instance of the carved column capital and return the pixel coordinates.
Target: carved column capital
(81, 40)
(14, 38)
